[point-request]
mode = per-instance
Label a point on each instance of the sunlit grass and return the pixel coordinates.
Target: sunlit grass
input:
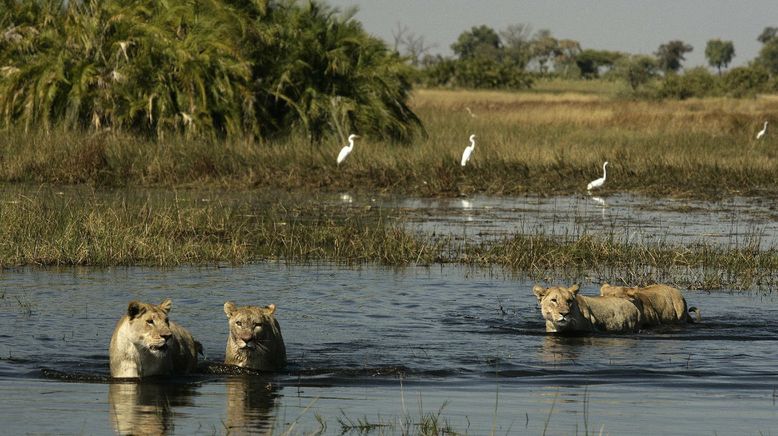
(541, 143)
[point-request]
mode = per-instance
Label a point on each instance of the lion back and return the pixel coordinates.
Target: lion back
(610, 314)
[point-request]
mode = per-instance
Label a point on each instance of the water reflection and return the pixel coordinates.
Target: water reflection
(251, 401)
(147, 408)
(564, 350)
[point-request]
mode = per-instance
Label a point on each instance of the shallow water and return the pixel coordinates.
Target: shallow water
(381, 345)
(730, 222)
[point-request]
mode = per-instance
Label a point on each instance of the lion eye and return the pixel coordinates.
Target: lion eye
(239, 323)
(553, 300)
(149, 321)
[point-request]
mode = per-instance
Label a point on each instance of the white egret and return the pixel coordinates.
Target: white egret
(472, 115)
(347, 149)
(346, 198)
(468, 150)
(599, 182)
(762, 132)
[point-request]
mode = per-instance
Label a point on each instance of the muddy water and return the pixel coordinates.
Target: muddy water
(385, 347)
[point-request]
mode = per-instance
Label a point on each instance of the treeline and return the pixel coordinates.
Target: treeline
(217, 68)
(514, 57)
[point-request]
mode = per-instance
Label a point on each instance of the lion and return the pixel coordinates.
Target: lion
(658, 304)
(255, 339)
(146, 343)
(565, 311)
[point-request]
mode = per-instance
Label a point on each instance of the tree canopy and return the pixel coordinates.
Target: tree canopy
(719, 53)
(671, 54)
(480, 41)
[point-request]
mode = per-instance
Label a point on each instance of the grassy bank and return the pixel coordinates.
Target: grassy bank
(550, 142)
(167, 228)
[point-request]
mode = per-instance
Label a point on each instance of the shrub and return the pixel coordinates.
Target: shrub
(745, 81)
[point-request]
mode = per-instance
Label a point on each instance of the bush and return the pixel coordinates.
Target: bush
(479, 73)
(697, 82)
(745, 81)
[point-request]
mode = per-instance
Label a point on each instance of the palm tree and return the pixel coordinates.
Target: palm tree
(206, 67)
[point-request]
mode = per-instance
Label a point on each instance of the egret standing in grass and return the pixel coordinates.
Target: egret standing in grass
(347, 149)
(594, 184)
(762, 132)
(468, 150)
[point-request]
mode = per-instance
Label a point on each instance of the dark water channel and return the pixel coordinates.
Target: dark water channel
(383, 346)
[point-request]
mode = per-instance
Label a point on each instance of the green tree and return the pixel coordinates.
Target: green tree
(636, 69)
(670, 55)
(768, 56)
(517, 44)
(767, 35)
(544, 48)
(719, 53)
(591, 62)
(479, 41)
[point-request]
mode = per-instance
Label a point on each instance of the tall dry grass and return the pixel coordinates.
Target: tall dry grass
(541, 143)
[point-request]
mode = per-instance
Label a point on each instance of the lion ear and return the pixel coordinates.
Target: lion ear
(271, 309)
(539, 291)
(166, 305)
(134, 309)
(229, 308)
(573, 289)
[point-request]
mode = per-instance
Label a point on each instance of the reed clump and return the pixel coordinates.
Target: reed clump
(84, 227)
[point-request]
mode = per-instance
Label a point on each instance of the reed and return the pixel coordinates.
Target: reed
(86, 227)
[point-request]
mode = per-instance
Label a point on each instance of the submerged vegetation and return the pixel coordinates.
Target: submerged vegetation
(194, 227)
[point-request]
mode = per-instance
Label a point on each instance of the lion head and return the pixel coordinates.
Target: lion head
(150, 325)
(558, 305)
(255, 339)
(607, 290)
(250, 325)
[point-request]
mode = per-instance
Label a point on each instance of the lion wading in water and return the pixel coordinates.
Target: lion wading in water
(255, 339)
(658, 304)
(565, 311)
(145, 343)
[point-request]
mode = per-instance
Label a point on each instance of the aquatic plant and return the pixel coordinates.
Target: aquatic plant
(83, 227)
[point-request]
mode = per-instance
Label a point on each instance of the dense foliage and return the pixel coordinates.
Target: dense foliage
(226, 68)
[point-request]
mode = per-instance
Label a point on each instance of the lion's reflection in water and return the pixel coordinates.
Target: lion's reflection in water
(251, 401)
(147, 408)
(150, 408)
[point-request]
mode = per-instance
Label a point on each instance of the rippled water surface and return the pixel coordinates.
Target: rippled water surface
(383, 346)
(729, 222)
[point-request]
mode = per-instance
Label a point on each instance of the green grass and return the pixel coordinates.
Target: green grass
(166, 228)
